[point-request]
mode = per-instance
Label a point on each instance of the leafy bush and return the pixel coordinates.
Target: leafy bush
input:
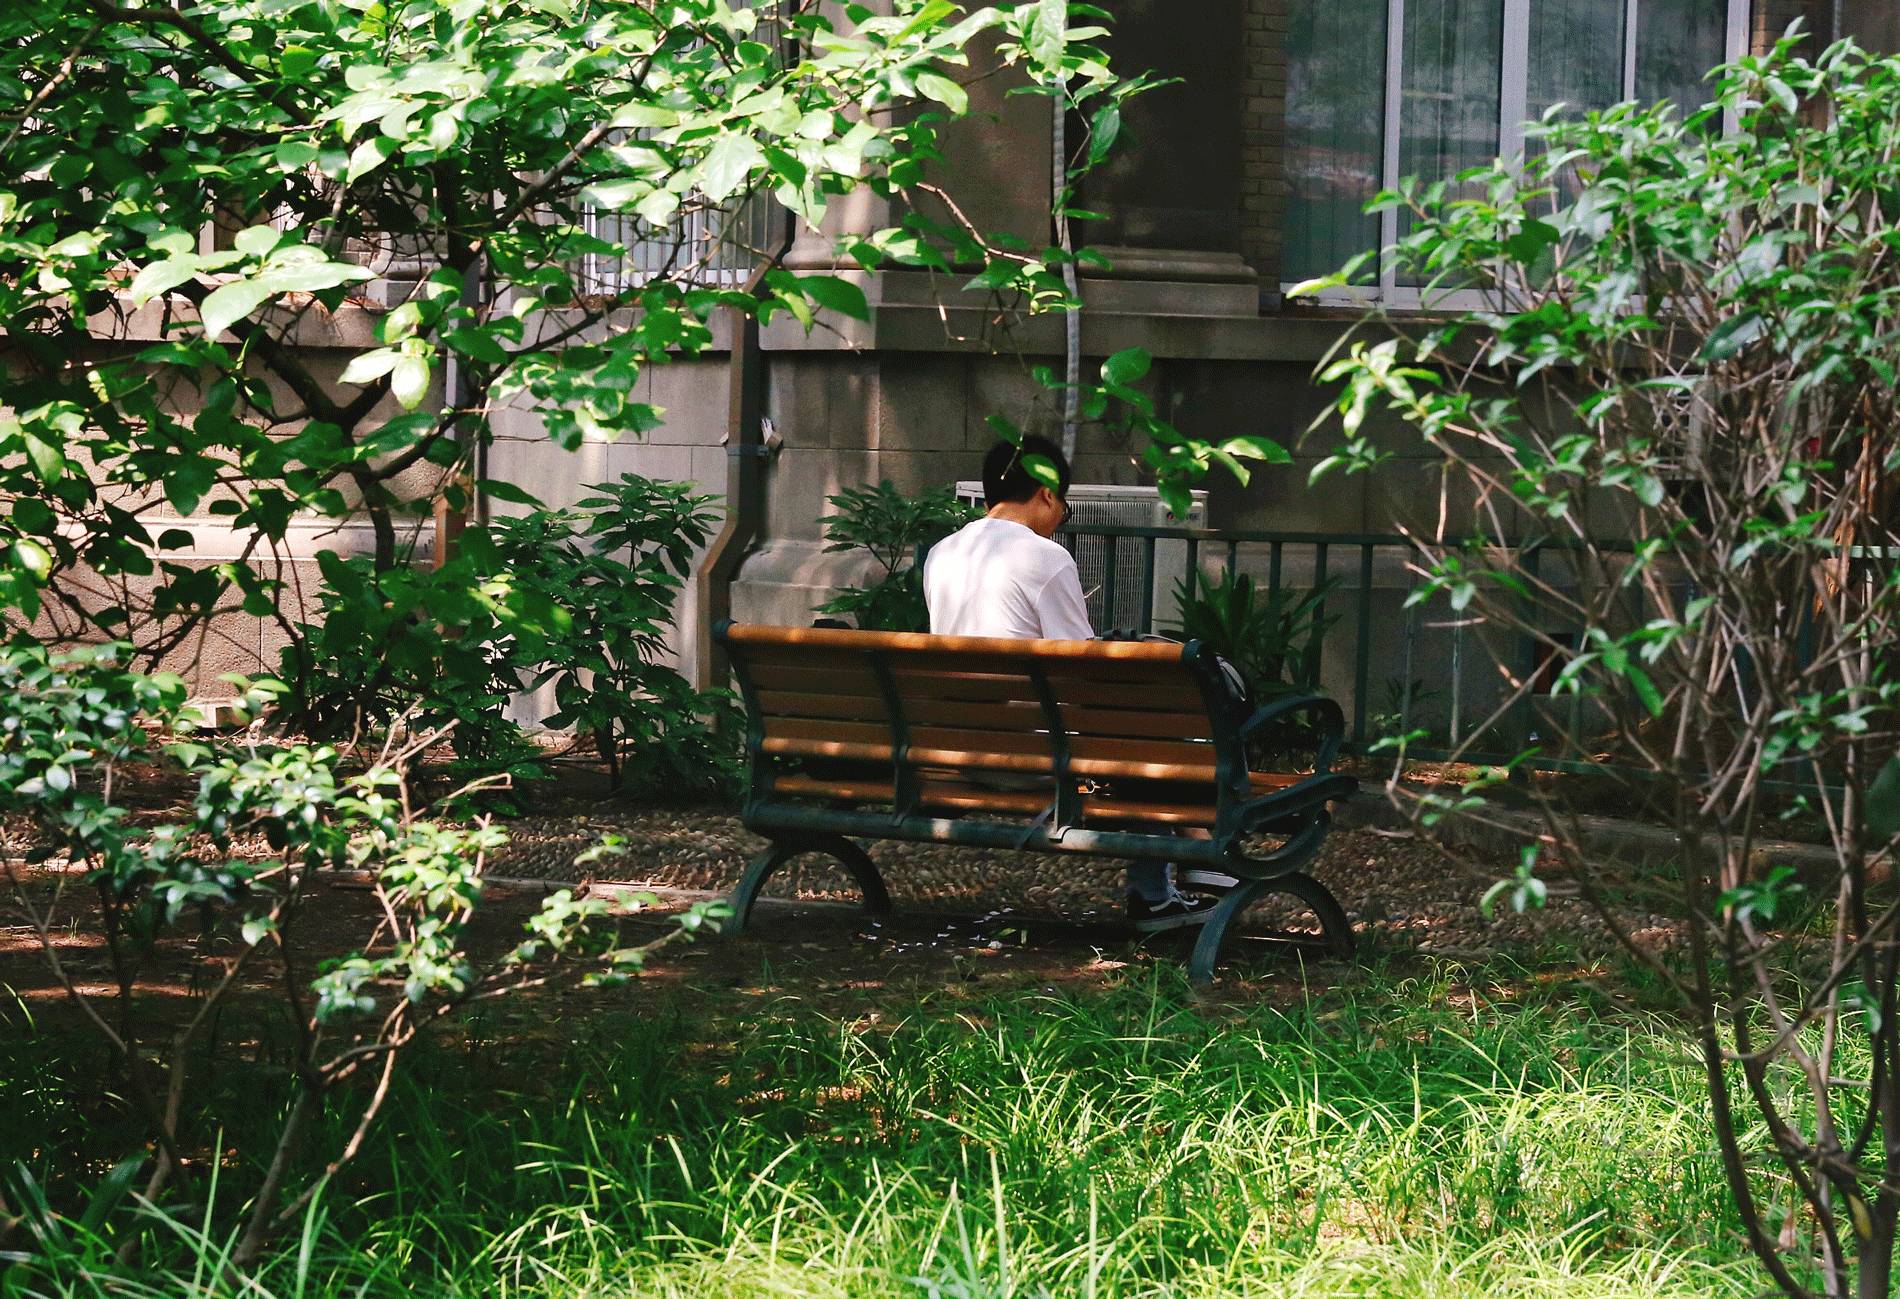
(579, 599)
(479, 140)
(1675, 417)
(1272, 637)
(232, 874)
(892, 527)
(614, 565)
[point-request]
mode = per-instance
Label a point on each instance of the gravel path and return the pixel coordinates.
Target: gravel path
(1395, 887)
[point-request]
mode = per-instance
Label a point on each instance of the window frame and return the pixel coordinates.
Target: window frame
(1513, 112)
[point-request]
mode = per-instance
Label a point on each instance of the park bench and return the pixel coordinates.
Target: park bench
(1092, 748)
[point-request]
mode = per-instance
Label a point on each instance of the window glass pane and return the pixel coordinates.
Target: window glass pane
(1334, 124)
(1576, 54)
(1576, 59)
(1677, 42)
(1448, 108)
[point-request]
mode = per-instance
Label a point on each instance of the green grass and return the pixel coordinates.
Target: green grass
(1396, 1139)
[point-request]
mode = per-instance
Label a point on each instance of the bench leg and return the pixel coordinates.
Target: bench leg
(877, 900)
(1332, 918)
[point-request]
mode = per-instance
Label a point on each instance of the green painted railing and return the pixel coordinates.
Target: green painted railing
(1494, 739)
(1468, 732)
(1229, 548)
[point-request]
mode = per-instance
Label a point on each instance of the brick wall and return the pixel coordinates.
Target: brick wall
(1773, 16)
(1263, 112)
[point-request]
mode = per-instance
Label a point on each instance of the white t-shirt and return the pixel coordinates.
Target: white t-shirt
(997, 578)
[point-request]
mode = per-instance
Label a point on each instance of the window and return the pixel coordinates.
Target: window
(1382, 89)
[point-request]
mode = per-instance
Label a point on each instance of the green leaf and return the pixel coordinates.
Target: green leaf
(1043, 470)
(658, 207)
(834, 294)
(155, 278)
(945, 92)
(1645, 689)
(296, 61)
(929, 16)
(1732, 335)
(49, 461)
(295, 155)
(32, 556)
(368, 367)
(409, 381)
(613, 195)
(1249, 447)
(257, 241)
(728, 163)
(187, 479)
(368, 156)
(502, 490)
(1104, 129)
(997, 275)
(1883, 804)
(1049, 33)
(231, 303)
(1319, 284)
(1126, 367)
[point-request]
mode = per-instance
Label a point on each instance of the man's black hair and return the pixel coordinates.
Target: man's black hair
(1006, 478)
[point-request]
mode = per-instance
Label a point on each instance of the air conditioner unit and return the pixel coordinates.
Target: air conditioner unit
(1128, 604)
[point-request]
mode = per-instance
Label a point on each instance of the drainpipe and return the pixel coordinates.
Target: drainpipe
(460, 394)
(746, 454)
(1072, 318)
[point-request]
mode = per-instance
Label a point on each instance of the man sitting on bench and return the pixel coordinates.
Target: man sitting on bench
(1005, 575)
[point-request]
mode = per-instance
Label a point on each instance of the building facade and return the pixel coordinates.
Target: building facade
(1246, 175)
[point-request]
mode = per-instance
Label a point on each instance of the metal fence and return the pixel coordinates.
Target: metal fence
(1394, 666)
(1443, 673)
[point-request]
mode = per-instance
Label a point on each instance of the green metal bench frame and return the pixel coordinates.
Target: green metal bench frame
(1299, 814)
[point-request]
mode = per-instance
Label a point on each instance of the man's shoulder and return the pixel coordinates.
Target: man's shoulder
(1050, 552)
(990, 536)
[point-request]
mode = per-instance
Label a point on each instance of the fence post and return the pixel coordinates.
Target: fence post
(1362, 669)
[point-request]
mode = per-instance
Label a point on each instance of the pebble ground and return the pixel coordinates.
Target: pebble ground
(1406, 893)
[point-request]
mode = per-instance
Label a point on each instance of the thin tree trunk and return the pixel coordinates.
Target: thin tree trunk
(257, 1230)
(1876, 1252)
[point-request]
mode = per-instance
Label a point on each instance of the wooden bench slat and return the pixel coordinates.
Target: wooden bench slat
(990, 750)
(1019, 715)
(1100, 811)
(758, 638)
(858, 680)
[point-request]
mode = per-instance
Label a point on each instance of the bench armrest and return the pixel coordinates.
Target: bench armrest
(1285, 811)
(1328, 718)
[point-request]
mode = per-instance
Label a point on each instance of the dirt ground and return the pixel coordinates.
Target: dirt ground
(965, 919)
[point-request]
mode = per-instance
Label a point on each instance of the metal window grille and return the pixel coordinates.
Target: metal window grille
(705, 245)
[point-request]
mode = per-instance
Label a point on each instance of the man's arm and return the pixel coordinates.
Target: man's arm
(1063, 610)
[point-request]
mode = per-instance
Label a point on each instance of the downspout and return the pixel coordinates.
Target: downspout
(450, 523)
(1072, 317)
(746, 454)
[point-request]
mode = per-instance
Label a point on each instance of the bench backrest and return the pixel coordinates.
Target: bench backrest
(964, 722)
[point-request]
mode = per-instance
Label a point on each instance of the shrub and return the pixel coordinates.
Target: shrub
(1271, 637)
(1675, 412)
(234, 873)
(893, 528)
(577, 599)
